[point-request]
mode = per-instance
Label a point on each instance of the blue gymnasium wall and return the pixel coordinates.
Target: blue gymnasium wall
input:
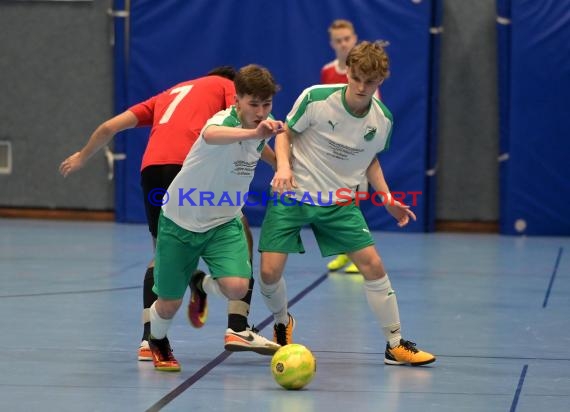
(534, 81)
(171, 41)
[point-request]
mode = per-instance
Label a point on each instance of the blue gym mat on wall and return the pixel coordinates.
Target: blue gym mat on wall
(534, 81)
(162, 43)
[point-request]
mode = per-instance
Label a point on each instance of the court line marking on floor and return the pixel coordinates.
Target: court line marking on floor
(439, 355)
(519, 389)
(71, 292)
(169, 397)
(79, 292)
(545, 302)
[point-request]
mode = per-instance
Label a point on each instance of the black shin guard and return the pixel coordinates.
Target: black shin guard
(247, 297)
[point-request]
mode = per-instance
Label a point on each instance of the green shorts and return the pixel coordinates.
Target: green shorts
(223, 249)
(338, 229)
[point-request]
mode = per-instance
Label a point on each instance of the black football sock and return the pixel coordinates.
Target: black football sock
(149, 297)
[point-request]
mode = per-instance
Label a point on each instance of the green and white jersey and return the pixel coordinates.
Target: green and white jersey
(209, 189)
(334, 147)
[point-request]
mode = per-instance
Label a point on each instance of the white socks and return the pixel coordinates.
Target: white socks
(211, 286)
(158, 325)
(275, 297)
(382, 300)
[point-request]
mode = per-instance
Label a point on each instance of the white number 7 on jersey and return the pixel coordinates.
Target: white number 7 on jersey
(182, 92)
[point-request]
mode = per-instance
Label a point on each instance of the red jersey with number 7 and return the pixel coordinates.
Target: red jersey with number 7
(177, 116)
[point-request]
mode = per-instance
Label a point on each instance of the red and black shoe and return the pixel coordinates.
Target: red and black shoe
(162, 356)
(198, 306)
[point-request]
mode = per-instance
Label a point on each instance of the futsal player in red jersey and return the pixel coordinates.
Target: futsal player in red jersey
(342, 40)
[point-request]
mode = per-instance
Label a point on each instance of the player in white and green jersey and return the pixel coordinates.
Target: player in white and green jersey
(336, 146)
(209, 189)
(221, 161)
(336, 133)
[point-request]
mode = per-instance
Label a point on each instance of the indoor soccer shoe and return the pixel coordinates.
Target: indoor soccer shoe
(198, 305)
(144, 351)
(282, 334)
(406, 353)
(162, 356)
(249, 340)
(352, 269)
(338, 262)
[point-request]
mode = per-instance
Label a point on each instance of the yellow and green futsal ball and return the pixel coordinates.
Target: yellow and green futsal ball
(293, 366)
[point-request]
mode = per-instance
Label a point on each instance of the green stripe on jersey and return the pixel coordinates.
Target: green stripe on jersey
(385, 110)
(389, 116)
(314, 94)
(232, 120)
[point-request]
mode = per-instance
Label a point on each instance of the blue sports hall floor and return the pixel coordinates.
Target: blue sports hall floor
(494, 309)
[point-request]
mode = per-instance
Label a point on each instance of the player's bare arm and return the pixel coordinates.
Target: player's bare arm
(283, 180)
(219, 135)
(401, 212)
(100, 137)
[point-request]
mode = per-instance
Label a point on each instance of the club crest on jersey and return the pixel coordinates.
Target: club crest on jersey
(369, 133)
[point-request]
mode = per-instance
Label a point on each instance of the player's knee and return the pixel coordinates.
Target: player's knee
(269, 274)
(166, 309)
(271, 267)
(234, 288)
(372, 267)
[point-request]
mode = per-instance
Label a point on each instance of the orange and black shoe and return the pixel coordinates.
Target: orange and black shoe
(406, 353)
(162, 356)
(144, 353)
(283, 334)
(198, 305)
